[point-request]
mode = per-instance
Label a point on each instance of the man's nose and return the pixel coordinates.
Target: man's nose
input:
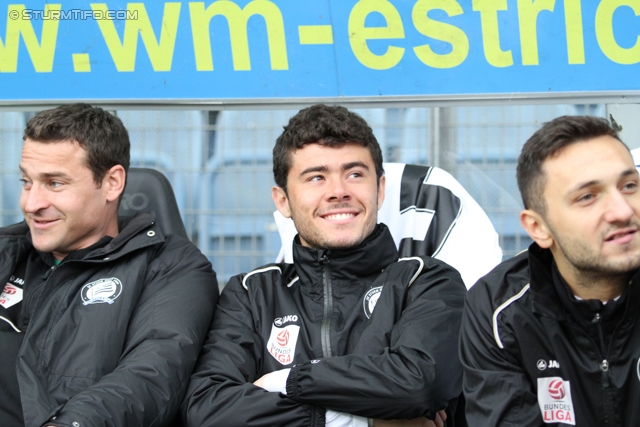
(338, 190)
(619, 208)
(33, 199)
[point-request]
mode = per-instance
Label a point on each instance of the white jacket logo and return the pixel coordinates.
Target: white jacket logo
(282, 341)
(101, 291)
(554, 399)
(370, 300)
(11, 295)
(279, 321)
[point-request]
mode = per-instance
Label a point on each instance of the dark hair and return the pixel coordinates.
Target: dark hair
(332, 126)
(100, 133)
(552, 137)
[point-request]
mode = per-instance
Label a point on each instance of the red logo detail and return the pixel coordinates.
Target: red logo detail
(556, 389)
(283, 338)
(9, 290)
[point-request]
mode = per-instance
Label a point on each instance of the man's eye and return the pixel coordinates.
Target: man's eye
(586, 197)
(24, 182)
(55, 184)
(316, 178)
(355, 174)
(630, 185)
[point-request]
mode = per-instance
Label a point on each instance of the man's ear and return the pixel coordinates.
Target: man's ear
(381, 187)
(113, 182)
(281, 201)
(537, 228)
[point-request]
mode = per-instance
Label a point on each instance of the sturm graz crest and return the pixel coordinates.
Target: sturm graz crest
(101, 291)
(370, 299)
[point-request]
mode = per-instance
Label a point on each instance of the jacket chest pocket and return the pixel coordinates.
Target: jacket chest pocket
(82, 332)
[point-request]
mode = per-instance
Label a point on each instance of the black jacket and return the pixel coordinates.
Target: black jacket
(123, 360)
(316, 316)
(534, 355)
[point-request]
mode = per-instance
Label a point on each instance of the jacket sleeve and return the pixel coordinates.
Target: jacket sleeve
(413, 371)
(164, 337)
(497, 390)
(221, 392)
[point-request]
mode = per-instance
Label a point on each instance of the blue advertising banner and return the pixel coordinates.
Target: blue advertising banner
(281, 49)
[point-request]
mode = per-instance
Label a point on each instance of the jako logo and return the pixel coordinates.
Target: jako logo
(556, 389)
(542, 364)
(279, 321)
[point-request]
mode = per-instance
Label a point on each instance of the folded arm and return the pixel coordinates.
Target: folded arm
(415, 373)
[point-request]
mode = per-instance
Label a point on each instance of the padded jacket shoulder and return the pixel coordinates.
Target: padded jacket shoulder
(535, 356)
(362, 332)
(122, 357)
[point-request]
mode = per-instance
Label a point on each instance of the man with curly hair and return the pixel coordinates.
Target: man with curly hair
(347, 335)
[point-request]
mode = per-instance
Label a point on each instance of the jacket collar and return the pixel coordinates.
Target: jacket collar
(13, 246)
(370, 257)
(135, 232)
(552, 297)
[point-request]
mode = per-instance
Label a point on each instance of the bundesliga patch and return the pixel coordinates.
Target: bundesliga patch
(282, 343)
(11, 295)
(370, 300)
(554, 398)
(101, 291)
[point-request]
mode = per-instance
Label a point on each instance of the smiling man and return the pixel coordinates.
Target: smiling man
(347, 335)
(101, 320)
(552, 336)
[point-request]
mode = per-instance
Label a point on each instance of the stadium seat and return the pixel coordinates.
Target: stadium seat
(150, 190)
(428, 213)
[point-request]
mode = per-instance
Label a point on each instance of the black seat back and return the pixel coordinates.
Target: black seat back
(149, 190)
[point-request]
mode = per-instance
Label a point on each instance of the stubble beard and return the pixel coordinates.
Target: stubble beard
(317, 240)
(593, 266)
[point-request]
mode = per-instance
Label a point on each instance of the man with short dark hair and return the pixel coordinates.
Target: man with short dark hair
(101, 320)
(347, 335)
(552, 336)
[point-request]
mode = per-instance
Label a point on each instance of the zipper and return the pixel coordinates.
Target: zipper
(38, 290)
(607, 398)
(325, 329)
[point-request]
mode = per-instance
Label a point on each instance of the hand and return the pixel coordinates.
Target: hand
(275, 381)
(441, 417)
(260, 381)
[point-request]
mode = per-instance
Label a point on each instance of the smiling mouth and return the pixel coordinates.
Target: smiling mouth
(339, 216)
(43, 221)
(620, 235)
